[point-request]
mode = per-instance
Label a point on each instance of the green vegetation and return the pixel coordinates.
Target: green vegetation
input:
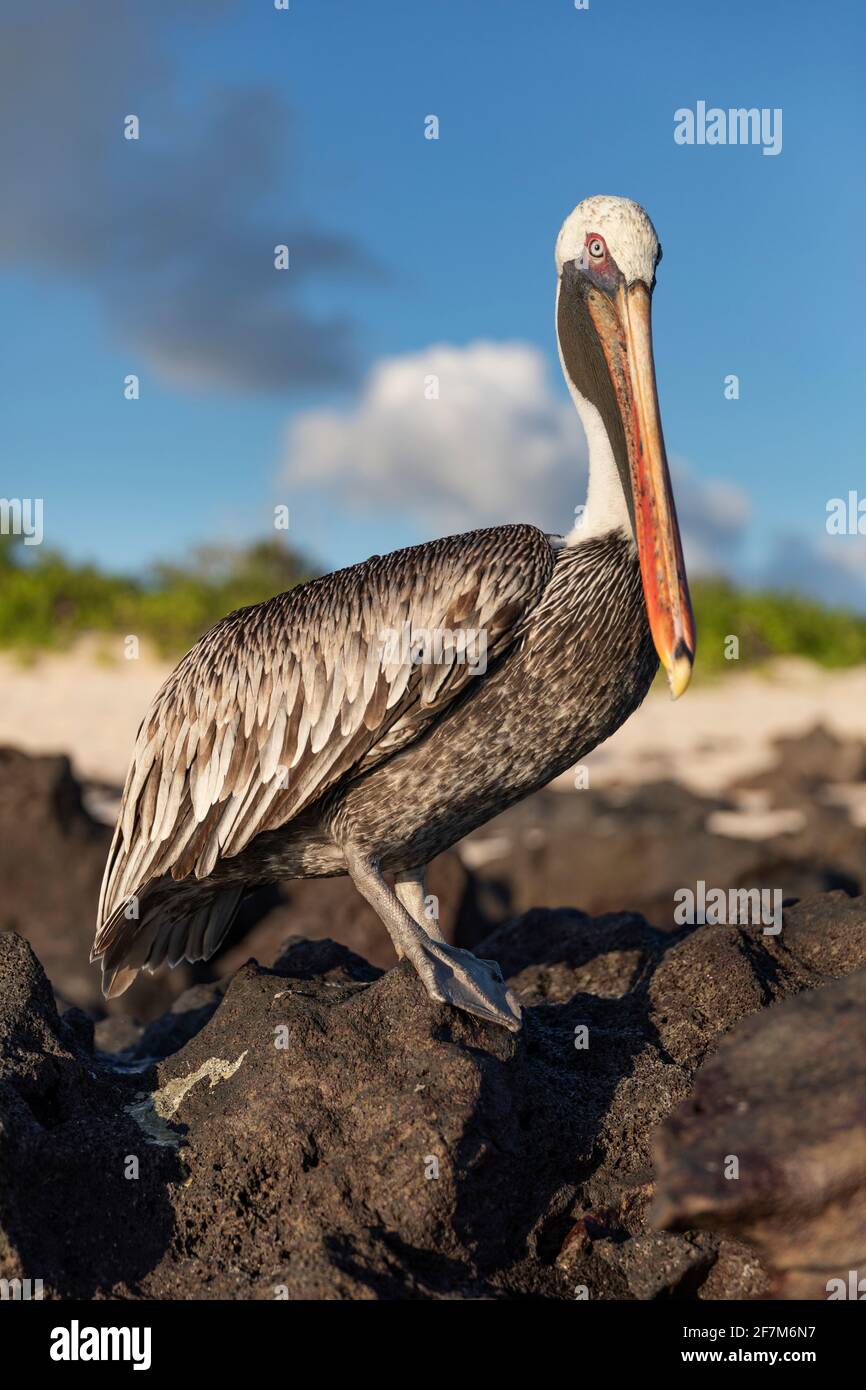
(48, 602)
(772, 624)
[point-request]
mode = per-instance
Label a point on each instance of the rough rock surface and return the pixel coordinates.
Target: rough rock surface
(51, 858)
(771, 1145)
(321, 1129)
(610, 848)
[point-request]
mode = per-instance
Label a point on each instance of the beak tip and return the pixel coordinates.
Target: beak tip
(679, 673)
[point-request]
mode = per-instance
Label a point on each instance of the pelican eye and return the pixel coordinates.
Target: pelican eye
(596, 248)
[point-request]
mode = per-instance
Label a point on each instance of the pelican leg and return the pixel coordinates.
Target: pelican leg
(449, 975)
(409, 887)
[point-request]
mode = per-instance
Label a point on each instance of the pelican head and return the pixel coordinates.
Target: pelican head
(607, 252)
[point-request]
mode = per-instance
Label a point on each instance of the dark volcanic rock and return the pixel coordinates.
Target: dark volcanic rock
(52, 854)
(612, 849)
(68, 1213)
(805, 764)
(771, 1145)
(323, 1130)
(825, 936)
(51, 859)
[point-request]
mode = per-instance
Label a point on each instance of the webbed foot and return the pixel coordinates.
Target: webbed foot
(453, 976)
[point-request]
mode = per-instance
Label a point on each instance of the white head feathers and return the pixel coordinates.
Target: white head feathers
(630, 236)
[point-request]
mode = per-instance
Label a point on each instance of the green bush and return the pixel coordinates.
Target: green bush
(48, 602)
(772, 624)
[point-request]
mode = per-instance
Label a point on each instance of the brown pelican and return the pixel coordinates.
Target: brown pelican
(350, 727)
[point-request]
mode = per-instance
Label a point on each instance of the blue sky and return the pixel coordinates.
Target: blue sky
(307, 126)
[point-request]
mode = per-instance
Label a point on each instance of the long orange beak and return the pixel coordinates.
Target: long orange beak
(624, 327)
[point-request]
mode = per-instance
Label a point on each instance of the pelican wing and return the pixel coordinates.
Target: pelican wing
(279, 701)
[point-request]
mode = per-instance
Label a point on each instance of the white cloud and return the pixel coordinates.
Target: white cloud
(499, 444)
(496, 445)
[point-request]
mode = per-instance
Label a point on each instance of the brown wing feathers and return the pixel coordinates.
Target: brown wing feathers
(279, 701)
